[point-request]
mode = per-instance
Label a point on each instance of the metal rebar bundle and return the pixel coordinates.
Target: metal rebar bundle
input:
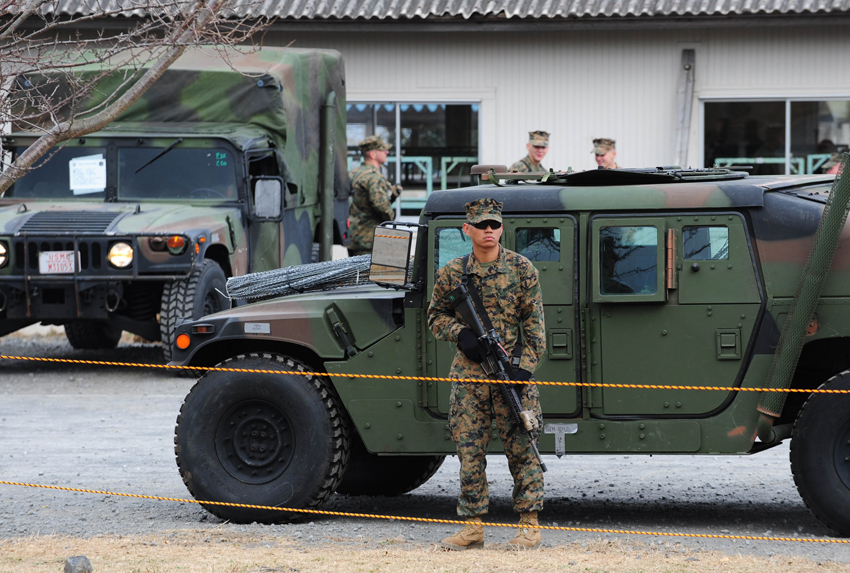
(300, 278)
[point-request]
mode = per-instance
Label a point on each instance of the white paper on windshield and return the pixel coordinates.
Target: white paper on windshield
(88, 174)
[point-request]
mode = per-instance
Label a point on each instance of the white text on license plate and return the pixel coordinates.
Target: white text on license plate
(56, 262)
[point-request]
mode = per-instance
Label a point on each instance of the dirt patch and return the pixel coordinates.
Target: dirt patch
(204, 551)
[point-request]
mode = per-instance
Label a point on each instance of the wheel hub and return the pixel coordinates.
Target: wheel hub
(254, 442)
(841, 454)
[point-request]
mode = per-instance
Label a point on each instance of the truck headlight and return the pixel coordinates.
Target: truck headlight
(120, 255)
(3, 257)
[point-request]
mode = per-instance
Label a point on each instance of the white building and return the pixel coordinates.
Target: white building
(673, 82)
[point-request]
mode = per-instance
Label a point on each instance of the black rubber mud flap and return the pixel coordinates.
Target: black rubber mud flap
(268, 439)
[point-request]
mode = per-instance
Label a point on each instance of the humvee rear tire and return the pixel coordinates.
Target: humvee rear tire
(193, 297)
(266, 439)
(820, 450)
(92, 335)
(371, 474)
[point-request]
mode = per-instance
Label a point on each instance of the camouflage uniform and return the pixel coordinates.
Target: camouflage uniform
(372, 197)
(527, 164)
(510, 291)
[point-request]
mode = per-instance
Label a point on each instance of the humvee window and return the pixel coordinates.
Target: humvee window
(54, 174)
(539, 244)
(705, 243)
(450, 243)
(182, 173)
(628, 258)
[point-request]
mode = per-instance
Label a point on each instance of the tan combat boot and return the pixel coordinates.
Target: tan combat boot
(528, 536)
(470, 537)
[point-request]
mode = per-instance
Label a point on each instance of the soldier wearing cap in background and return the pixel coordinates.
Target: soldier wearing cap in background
(605, 152)
(509, 288)
(372, 195)
(538, 146)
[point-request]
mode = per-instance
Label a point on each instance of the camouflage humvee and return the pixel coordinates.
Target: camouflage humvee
(661, 277)
(211, 174)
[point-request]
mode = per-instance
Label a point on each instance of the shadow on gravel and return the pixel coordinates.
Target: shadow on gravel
(58, 347)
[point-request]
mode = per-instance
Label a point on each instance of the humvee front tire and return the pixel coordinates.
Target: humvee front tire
(266, 439)
(92, 335)
(193, 297)
(820, 454)
(389, 476)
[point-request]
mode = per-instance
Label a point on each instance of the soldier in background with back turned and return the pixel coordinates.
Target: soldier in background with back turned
(510, 292)
(538, 147)
(372, 195)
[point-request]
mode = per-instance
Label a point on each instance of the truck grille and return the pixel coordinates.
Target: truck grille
(91, 251)
(79, 222)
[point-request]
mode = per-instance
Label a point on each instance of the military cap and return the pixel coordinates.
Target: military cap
(538, 138)
(483, 210)
(602, 146)
(372, 143)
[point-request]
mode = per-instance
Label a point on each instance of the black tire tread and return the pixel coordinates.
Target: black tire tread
(339, 423)
(178, 302)
(797, 449)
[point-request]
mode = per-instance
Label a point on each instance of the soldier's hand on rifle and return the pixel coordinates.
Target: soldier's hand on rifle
(521, 375)
(469, 345)
(396, 191)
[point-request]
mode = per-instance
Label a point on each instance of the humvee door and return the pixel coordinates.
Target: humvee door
(672, 301)
(550, 244)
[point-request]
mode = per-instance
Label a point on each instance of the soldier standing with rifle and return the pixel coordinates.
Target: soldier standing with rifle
(506, 285)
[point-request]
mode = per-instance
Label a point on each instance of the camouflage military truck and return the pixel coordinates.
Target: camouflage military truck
(211, 174)
(661, 277)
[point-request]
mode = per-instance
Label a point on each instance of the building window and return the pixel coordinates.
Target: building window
(775, 136)
(439, 143)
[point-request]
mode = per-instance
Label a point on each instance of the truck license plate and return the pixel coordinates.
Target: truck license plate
(56, 262)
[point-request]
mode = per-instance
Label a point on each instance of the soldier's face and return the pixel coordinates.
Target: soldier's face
(607, 160)
(379, 156)
(536, 153)
(483, 238)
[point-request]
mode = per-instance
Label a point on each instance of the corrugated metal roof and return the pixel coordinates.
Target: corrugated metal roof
(542, 9)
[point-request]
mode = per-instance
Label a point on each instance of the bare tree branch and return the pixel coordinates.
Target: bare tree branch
(52, 68)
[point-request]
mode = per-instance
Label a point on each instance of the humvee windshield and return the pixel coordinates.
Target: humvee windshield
(77, 173)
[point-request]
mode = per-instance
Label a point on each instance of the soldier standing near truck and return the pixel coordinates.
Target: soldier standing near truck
(510, 290)
(538, 147)
(372, 195)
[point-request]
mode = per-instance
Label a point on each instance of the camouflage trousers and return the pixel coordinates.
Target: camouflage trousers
(473, 411)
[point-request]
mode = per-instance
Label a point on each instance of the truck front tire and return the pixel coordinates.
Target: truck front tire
(193, 297)
(820, 454)
(92, 335)
(270, 439)
(389, 476)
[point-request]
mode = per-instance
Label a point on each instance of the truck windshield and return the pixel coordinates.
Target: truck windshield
(182, 173)
(84, 173)
(64, 173)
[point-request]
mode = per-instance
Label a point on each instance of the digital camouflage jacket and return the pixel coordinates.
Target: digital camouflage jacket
(526, 165)
(511, 293)
(371, 204)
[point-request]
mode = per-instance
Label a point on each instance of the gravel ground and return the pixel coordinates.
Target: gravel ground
(110, 428)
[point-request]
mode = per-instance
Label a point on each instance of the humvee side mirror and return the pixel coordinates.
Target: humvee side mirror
(390, 256)
(267, 198)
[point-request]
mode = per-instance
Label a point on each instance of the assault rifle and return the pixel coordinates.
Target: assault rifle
(497, 365)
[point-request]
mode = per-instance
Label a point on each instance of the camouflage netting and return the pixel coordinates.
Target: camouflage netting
(300, 278)
(808, 292)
